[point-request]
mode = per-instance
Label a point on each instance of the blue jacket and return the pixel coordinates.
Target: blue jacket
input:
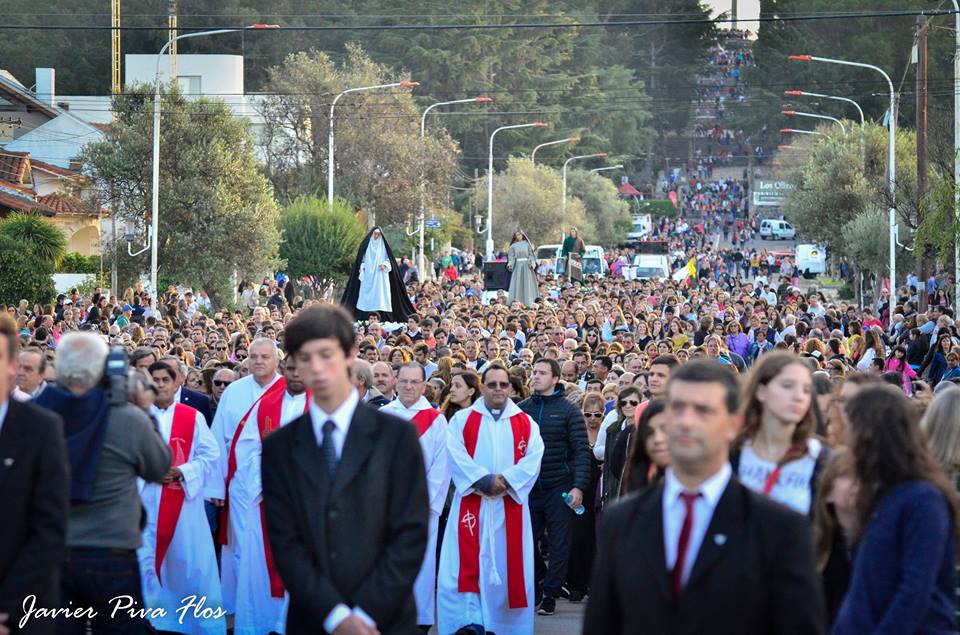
(903, 574)
(566, 453)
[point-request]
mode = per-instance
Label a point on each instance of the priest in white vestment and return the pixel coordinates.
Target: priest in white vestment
(235, 406)
(432, 430)
(486, 577)
(375, 276)
(261, 598)
(177, 557)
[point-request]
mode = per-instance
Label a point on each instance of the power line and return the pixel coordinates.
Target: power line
(517, 25)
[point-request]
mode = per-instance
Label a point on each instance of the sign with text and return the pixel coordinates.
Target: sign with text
(770, 193)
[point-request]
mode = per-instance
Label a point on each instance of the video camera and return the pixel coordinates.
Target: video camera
(115, 377)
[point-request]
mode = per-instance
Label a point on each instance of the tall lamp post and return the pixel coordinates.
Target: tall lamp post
(423, 131)
(155, 182)
(956, 154)
(333, 104)
(799, 131)
(612, 167)
(533, 155)
(863, 121)
(536, 124)
(595, 155)
(813, 115)
(891, 151)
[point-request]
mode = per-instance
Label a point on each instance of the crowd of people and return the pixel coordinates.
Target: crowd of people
(821, 439)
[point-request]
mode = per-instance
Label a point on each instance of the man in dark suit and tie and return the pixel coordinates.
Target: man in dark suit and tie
(35, 486)
(196, 400)
(701, 553)
(345, 495)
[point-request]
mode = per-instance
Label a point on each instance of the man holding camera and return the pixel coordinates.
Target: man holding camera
(110, 444)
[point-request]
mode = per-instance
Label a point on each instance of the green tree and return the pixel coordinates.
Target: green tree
(318, 241)
(33, 230)
(75, 262)
(382, 163)
(834, 186)
(607, 216)
(23, 273)
(526, 197)
(217, 214)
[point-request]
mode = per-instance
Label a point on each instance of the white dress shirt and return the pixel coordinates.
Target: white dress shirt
(341, 418)
(674, 512)
(4, 407)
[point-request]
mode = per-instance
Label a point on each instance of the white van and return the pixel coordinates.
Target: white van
(811, 260)
(777, 229)
(547, 258)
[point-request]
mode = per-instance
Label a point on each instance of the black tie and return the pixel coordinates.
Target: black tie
(327, 447)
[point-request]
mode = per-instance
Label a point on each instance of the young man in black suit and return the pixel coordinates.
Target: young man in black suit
(345, 495)
(35, 486)
(701, 553)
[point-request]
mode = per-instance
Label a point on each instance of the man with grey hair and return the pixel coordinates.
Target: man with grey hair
(110, 446)
(236, 404)
(196, 400)
(363, 381)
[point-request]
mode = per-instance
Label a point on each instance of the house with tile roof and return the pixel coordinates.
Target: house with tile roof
(40, 143)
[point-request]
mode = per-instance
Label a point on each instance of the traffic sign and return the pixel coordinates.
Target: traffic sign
(433, 223)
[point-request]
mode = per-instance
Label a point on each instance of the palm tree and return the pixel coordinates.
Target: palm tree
(36, 232)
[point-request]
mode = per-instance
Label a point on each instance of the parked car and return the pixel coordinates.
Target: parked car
(774, 229)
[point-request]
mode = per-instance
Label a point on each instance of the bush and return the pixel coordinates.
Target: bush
(75, 262)
(24, 274)
(43, 237)
(318, 241)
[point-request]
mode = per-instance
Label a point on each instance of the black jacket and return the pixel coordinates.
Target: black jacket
(358, 539)
(36, 487)
(198, 401)
(754, 573)
(566, 453)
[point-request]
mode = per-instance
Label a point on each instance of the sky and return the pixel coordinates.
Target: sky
(745, 8)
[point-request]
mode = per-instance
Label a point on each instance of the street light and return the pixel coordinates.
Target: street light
(956, 152)
(813, 115)
(330, 138)
(891, 153)
(612, 167)
(536, 124)
(863, 121)
(595, 155)
(155, 183)
(533, 155)
(423, 130)
(799, 131)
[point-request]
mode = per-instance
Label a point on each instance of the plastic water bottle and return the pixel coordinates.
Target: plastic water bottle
(578, 510)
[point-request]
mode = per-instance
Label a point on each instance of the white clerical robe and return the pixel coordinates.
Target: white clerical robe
(374, 292)
(236, 401)
(190, 565)
(257, 611)
(433, 444)
(494, 454)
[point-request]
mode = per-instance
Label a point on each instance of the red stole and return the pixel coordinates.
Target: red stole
(269, 416)
(172, 494)
(424, 419)
(281, 385)
(468, 529)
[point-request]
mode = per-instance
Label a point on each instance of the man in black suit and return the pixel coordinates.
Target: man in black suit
(35, 486)
(700, 553)
(345, 495)
(196, 400)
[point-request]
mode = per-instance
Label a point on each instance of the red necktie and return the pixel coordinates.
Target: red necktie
(688, 500)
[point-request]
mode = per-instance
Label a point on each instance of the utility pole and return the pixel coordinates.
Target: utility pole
(733, 14)
(926, 257)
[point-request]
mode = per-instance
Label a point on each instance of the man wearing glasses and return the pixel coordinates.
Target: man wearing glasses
(485, 582)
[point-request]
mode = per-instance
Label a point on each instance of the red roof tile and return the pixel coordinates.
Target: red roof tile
(64, 204)
(14, 167)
